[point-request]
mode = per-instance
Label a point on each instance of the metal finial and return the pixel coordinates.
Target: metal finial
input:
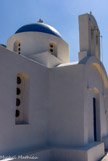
(90, 12)
(40, 21)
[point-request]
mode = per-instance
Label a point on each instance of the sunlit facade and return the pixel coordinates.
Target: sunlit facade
(51, 108)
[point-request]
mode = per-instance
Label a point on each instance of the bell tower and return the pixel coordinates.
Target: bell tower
(89, 36)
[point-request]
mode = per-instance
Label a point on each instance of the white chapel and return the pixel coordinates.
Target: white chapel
(51, 108)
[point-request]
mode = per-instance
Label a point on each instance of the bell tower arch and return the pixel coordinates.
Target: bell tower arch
(89, 36)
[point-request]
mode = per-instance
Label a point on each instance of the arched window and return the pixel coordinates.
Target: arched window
(17, 47)
(22, 98)
(52, 48)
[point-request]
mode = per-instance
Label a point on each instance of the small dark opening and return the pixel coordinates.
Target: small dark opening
(18, 102)
(51, 50)
(18, 91)
(17, 113)
(18, 49)
(51, 45)
(18, 80)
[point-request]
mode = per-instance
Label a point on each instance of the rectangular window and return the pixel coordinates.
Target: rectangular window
(94, 119)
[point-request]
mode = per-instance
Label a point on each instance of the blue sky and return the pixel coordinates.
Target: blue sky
(61, 14)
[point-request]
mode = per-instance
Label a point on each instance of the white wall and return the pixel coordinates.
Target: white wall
(58, 114)
(66, 110)
(93, 81)
(21, 137)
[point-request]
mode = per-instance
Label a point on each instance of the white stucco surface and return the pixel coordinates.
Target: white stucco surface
(63, 112)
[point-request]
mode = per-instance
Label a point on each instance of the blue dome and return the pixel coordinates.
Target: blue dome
(39, 27)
